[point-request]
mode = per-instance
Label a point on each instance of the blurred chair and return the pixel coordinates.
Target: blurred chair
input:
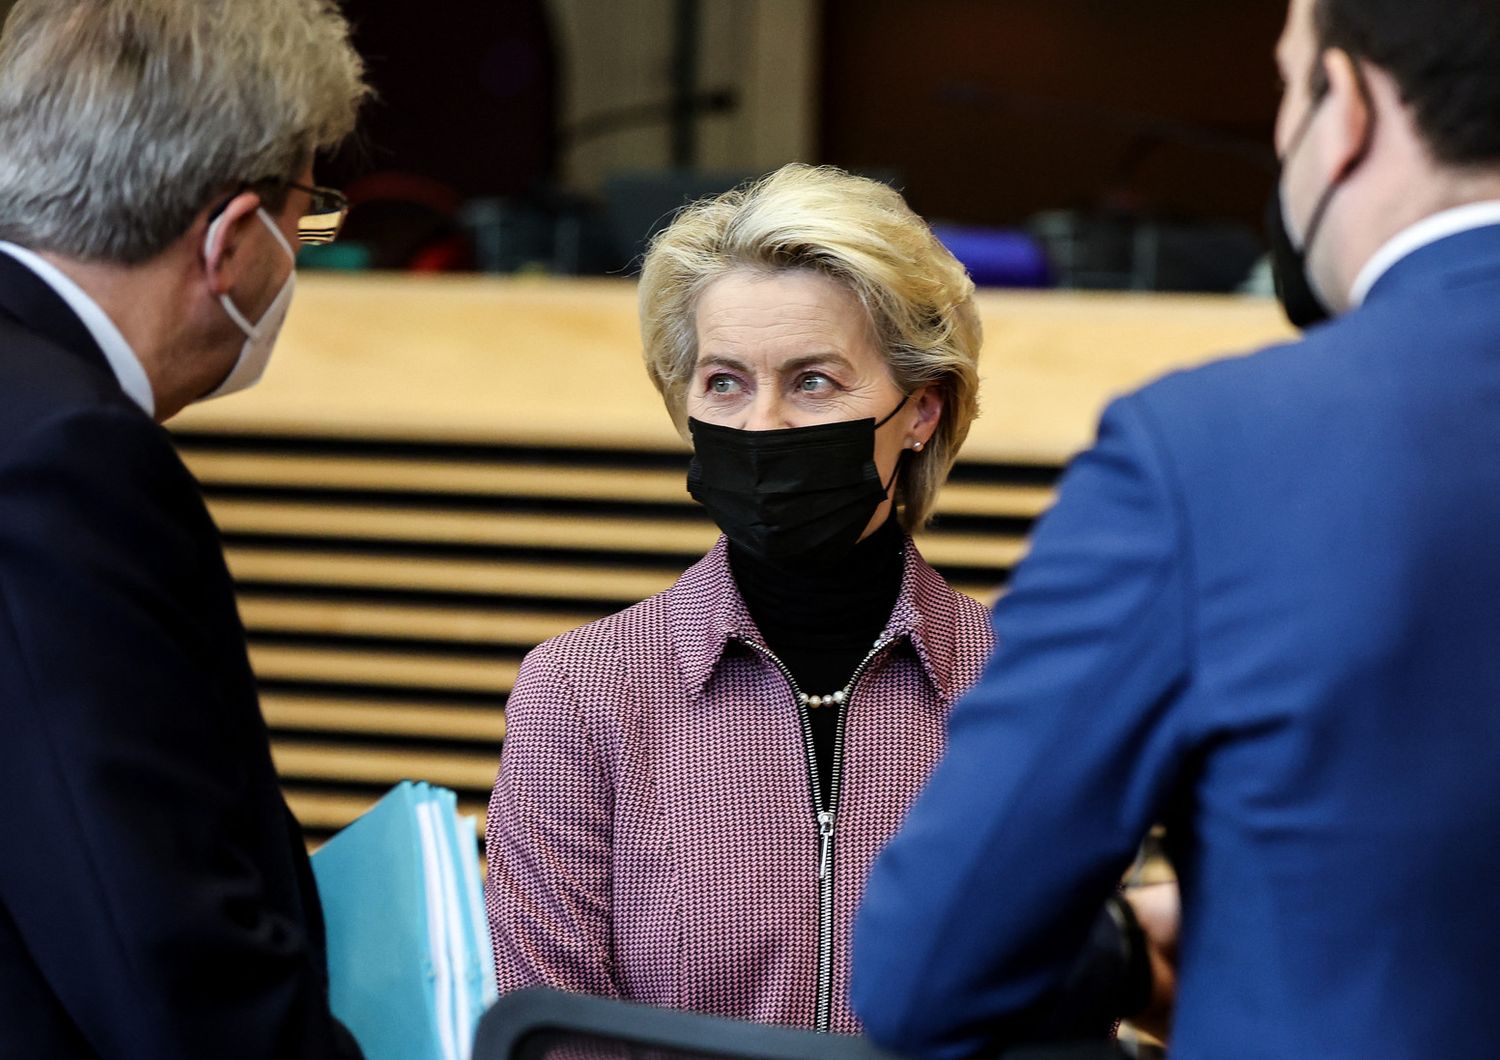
(550, 1025)
(637, 205)
(1125, 251)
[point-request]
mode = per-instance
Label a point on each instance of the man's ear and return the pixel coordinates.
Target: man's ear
(1351, 118)
(928, 402)
(224, 238)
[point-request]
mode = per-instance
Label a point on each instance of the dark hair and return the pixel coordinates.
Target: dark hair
(1445, 58)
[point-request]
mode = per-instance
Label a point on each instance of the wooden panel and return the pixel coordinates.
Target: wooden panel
(368, 522)
(277, 662)
(994, 499)
(505, 529)
(626, 485)
(557, 363)
(454, 358)
(269, 614)
(382, 717)
(971, 550)
(379, 765)
(328, 811)
(421, 574)
(548, 481)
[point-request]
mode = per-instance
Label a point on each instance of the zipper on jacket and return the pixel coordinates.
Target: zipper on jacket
(826, 817)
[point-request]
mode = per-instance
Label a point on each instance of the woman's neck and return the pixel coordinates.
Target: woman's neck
(847, 600)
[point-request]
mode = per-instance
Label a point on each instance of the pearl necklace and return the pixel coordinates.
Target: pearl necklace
(837, 699)
(832, 700)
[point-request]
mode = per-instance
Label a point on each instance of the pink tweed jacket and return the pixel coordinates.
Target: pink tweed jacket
(653, 835)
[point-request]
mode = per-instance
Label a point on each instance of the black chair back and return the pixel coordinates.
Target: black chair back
(542, 1024)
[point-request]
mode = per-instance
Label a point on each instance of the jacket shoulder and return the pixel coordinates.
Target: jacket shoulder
(41, 379)
(1236, 376)
(644, 633)
(602, 652)
(1312, 376)
(645, 621)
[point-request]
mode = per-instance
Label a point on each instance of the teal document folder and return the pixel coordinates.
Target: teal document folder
(409, 964)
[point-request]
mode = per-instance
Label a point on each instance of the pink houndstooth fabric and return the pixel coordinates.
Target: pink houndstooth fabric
(651, 834)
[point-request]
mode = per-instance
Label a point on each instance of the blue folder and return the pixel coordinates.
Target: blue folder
(409, 963)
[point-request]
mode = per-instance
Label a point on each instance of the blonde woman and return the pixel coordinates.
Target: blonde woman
(692, 791)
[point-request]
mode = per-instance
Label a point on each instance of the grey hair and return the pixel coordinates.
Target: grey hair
(120, 120)
(862, 235)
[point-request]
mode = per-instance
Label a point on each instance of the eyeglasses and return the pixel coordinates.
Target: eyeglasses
(324, 216)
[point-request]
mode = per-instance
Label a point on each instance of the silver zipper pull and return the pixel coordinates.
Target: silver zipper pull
(825, 833)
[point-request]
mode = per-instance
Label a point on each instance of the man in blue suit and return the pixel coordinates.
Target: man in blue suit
(1265, 611)
(155, 159)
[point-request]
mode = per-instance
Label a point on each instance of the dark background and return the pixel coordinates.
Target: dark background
(1129, 114)
(987, 110)
(993, 110)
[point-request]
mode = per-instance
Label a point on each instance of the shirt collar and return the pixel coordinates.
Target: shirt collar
(122, 359)
(1424, 233)
(710, 613)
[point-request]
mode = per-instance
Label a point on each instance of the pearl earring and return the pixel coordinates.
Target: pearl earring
(916, 447)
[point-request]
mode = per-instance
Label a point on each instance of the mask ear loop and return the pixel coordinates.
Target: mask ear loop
(904, 399)
(1321, 87)
(901, 457)
(240, 320)
(233, 311)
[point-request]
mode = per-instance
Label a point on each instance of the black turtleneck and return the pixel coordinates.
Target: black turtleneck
(822, 619)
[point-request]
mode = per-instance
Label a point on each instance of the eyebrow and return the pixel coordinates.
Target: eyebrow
(718, 360)
(828, 357)
(796, 364)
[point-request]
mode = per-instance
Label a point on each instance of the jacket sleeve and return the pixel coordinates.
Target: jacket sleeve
(134, 870)
(1057, 763)
(548, 842)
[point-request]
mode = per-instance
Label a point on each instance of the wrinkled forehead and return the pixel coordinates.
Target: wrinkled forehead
(794, 306)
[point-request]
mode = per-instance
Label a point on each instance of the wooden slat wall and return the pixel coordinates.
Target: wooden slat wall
(437, 474)
(389, 590)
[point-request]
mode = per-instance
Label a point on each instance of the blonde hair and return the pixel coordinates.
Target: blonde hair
(121, 119)
(862, 235)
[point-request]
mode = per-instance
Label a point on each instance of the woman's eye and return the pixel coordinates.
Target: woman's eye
(814, 383)
(723, 384)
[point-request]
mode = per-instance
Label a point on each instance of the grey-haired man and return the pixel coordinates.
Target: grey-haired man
(155, 176)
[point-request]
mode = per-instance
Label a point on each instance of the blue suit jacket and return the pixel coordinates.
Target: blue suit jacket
(1265, 610)
(155, 896)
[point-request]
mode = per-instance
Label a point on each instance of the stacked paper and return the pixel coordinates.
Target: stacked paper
(409, 963)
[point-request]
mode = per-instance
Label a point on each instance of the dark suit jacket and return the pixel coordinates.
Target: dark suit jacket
(1266, 609)
(155, 896)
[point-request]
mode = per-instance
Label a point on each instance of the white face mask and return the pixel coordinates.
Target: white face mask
(260, 337)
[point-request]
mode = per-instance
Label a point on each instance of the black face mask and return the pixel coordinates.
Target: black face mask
(1303, 306)
(799, 492)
